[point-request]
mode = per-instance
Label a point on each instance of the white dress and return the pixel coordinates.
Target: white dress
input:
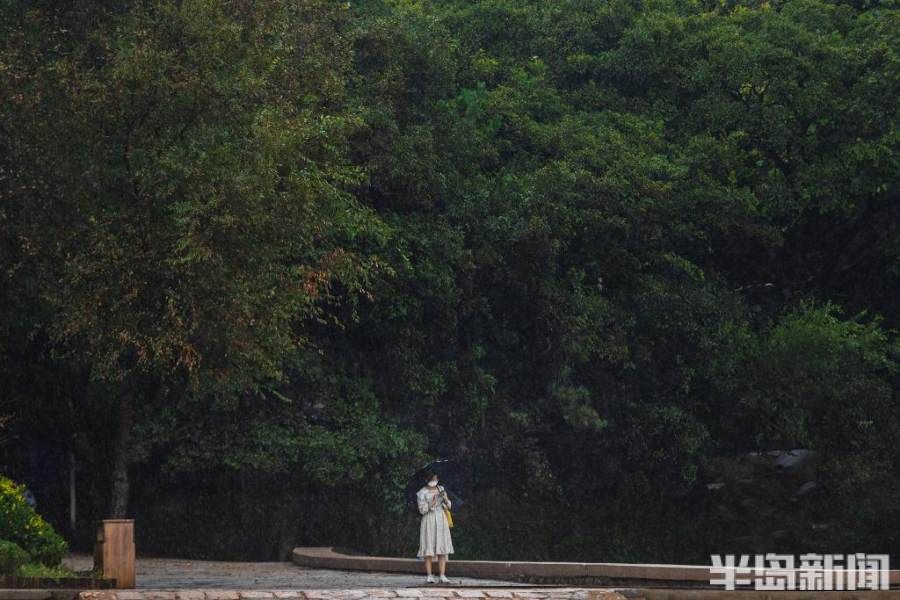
(434, 532)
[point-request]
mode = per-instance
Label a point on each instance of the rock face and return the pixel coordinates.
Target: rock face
(758, 500)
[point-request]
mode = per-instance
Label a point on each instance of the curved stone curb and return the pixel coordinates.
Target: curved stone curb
(610, 574)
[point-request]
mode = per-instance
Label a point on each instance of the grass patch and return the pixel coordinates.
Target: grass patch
(39, 570)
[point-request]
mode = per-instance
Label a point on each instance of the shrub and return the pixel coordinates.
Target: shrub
(19, 523)
(43, 571)
(11, 557)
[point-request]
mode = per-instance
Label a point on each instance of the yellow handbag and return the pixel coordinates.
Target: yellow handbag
(447, 513)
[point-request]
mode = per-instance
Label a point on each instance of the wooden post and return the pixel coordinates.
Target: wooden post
(114, 551)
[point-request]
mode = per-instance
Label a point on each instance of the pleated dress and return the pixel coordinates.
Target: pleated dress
(434, 532)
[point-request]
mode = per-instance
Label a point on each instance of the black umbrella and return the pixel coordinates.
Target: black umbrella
(449, 476)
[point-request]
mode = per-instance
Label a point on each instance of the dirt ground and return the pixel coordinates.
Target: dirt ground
(168, 573)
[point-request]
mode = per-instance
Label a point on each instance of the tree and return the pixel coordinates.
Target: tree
(182, 169)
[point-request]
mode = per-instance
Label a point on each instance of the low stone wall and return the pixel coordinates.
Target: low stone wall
(609, 575)
(564, 573)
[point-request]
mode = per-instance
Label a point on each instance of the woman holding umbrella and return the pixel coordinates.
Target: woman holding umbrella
(434, 531)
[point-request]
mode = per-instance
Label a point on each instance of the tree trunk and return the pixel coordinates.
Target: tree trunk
(119, 506)
(73, 521)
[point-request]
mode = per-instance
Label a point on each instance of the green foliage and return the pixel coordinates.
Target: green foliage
(223, 132)
(21, 525)
(12, 557)
(43, 571)
(826, 382)
(816, 380)
(583, 247)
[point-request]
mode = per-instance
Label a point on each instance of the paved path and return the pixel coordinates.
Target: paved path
(357, 594)
(168, 573)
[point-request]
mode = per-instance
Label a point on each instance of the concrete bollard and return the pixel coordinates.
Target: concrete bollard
(114, 551)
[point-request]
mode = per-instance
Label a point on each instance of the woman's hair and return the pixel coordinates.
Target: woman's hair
(429, 475)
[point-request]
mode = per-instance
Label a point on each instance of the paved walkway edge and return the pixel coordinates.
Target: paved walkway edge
(477, 594)
(428, 593)
(439, 593)
(329, 558)
(663, 594)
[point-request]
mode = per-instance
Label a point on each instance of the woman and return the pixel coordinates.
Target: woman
(434, 532)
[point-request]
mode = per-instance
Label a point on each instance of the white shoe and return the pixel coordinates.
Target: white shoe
(444, 579)
(429, 579)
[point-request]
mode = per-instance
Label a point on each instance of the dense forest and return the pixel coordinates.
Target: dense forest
(263, 260)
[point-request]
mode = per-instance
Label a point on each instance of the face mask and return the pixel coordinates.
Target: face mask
(432, 483)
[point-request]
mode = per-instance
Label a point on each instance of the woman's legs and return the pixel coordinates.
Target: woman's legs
(428, 565)
(442, 564)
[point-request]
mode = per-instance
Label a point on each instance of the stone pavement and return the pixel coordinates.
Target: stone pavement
(430, 593)
(448, 593)
(167, 573)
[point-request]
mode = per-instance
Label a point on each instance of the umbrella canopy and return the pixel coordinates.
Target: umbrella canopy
(448, 472)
